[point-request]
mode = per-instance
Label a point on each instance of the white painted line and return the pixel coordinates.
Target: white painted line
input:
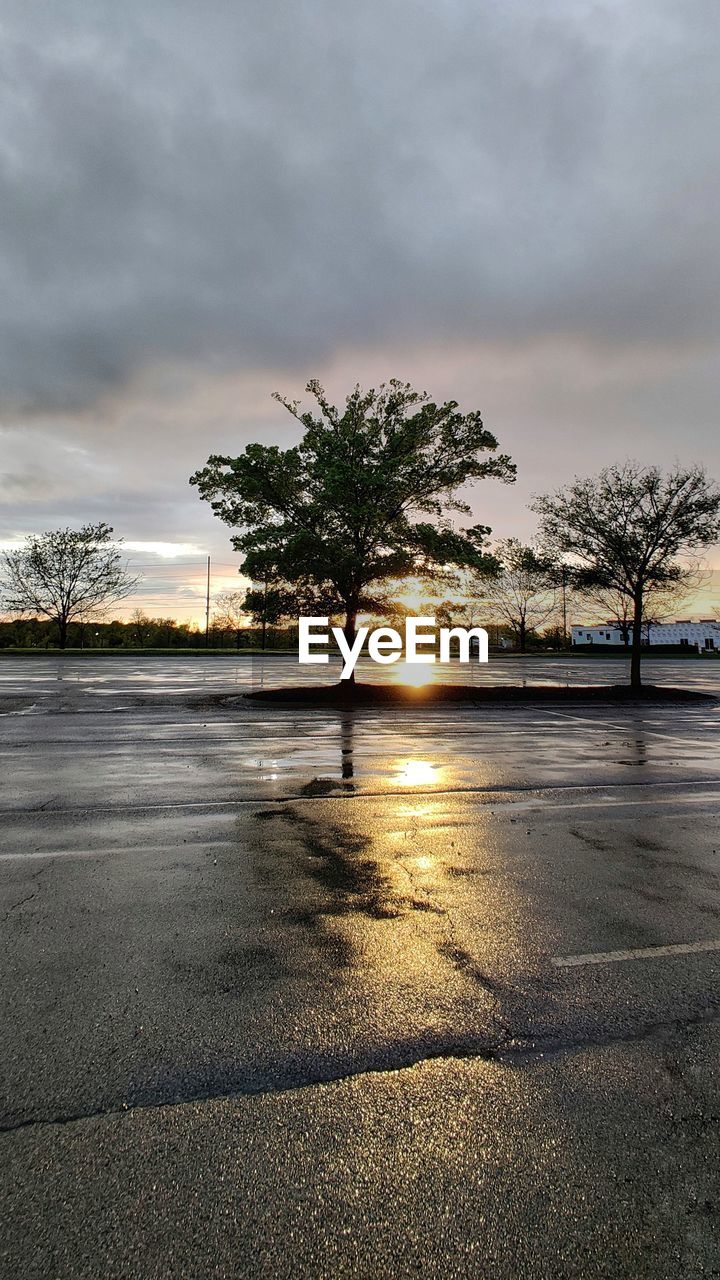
(38, 855)
(636, 953)
(627, 725)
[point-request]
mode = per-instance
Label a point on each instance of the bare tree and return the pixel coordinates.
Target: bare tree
(231, 613)
(623, 530)
(660, 602)
(522, 596)
(65, 575)
(141, 625)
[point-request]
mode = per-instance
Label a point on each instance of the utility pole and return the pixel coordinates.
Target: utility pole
(564, 605)
(207, 606)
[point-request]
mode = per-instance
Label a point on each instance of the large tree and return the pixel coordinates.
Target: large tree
(65, 575)
(522, 594)
(624, 529)
(336, 517)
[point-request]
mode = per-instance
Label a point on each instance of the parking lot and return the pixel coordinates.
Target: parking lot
(397, 992)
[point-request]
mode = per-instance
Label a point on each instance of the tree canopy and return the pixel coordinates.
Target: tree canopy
(624, 529)
(339, 516)
(64, 575)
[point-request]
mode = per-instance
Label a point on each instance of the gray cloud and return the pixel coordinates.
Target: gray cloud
(256, 185)
(509, 203)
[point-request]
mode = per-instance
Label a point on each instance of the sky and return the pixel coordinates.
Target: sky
(506, 203)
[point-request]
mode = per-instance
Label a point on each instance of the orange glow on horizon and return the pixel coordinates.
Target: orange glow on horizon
(411, 675)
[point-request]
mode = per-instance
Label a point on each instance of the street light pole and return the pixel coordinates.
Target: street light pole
(207, 606)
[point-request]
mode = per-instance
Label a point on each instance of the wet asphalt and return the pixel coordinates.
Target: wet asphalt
(279, 992)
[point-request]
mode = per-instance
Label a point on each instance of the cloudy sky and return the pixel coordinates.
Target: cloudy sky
(508, 203)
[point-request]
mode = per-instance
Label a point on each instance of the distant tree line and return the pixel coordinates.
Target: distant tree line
(143, 633)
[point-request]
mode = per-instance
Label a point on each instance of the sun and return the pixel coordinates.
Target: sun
(411, 675)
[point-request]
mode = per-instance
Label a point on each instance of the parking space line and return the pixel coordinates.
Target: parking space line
(635, 953)
(624, 726)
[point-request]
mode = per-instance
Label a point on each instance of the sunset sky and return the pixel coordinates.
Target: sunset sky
(506, 203)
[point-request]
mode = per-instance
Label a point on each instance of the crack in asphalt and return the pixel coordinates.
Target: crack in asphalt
(495, 796)
(35, 877)
(507, 1051)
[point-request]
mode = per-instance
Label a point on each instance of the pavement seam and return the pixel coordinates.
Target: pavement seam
(342, 793)
(508, 1051)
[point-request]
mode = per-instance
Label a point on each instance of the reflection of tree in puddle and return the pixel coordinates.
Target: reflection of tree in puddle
(322, 786)
(403, 771)
(637, 753)
(346, 747)
(368, 883)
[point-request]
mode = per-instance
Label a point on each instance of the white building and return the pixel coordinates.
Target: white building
(703, 635)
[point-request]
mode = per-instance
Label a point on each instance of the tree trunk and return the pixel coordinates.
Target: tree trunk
(636, 651)
(350, 631)
(62, 632)
(522, 637)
